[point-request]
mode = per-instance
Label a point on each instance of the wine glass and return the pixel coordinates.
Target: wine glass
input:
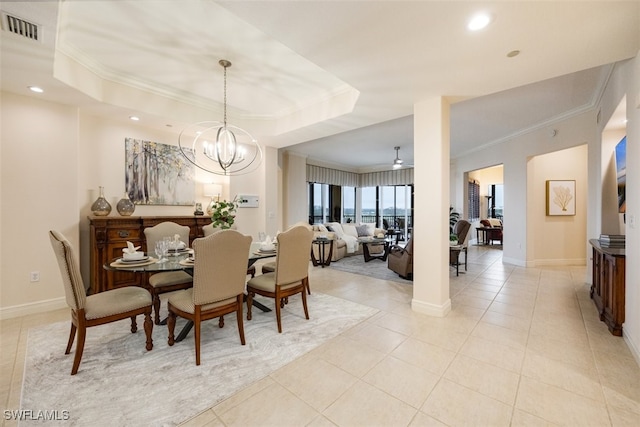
(161, 249)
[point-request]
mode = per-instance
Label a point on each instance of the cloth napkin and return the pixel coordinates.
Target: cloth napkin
(130, 249)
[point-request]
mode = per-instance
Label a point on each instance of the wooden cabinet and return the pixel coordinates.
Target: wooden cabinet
(608, 288)
(109, 235)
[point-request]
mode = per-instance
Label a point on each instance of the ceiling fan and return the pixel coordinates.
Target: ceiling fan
(397, 162)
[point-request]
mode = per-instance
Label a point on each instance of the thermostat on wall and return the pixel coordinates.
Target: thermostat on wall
(245, 201)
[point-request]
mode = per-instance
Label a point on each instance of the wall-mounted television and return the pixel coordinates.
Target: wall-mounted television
(621, 174)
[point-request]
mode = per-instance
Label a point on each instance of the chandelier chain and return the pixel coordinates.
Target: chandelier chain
(225, 95)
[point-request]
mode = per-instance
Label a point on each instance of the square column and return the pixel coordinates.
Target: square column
(431, 227)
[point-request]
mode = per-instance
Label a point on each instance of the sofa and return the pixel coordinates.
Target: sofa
(345, 236)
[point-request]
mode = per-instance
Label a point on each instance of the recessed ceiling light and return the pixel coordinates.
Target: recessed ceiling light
(513, 53)
(134, 118)
(36, 89)
(478, 22)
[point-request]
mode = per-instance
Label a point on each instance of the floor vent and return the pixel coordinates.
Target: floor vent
(21, 27)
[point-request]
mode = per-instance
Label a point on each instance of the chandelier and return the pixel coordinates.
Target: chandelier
(219, 147)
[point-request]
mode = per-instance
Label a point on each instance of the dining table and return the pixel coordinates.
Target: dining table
(179, 260)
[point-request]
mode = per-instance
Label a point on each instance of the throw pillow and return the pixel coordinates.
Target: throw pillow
(362, 230)
(350, 230)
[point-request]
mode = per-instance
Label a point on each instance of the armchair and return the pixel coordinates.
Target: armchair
(400, 260)
(493, 230)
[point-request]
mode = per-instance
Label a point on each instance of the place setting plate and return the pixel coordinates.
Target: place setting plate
(147, 260)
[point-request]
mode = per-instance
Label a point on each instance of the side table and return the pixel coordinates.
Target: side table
(325, 259)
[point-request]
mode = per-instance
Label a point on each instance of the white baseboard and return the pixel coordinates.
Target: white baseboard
(431, 309)
(635, 351)
(559, 262)
(514, 261)
(32, 308)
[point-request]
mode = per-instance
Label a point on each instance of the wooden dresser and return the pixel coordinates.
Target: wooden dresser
(607, 290)
(110, 234)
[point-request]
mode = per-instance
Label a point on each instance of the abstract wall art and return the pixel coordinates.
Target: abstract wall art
(158, 174)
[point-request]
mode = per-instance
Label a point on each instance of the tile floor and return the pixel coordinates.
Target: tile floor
(521, 347)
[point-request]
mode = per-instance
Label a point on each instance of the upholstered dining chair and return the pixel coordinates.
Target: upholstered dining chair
(291, 275)
(98, 309)
(166, 281)
(209, 229)
(270, 266)
(218, 284)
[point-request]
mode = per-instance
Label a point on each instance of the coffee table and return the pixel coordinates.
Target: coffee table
(374, 241)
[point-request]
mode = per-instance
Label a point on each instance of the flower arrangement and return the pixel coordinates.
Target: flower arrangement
(223, 213)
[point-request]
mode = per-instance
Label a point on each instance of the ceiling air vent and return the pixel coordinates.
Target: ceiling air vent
(21, 27)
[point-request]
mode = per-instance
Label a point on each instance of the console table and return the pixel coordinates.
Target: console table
(110, 234)
(608, 288)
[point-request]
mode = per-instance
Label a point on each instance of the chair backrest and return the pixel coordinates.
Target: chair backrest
(400, 223)
(220, 269)
(409, 246)
(385, 224)
(485, 223)
(292, 259)
(209, 229)
(75, 293)
(165, 229)
(461, 229)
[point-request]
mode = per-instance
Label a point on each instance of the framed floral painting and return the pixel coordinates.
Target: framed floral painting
(561, 197)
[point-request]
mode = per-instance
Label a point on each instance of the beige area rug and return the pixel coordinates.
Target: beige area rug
(374, 268)
(119, 383)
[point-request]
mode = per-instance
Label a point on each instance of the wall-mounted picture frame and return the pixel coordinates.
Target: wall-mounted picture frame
(561, 198)
(158, 174)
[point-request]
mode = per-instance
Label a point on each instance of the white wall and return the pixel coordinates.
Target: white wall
(625, 81)
(514, 155)
(39, 170)
(53, 160)
(565, 235)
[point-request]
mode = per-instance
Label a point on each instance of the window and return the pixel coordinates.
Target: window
(318, 203)
(392, 203)
(348, 204)
(369, 204)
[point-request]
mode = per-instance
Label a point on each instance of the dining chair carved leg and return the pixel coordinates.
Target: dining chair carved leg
(171, 326)
(278, 308)
(196, 335)
(82, 333)
(72, 336)
(250, 296)
(304, 299)
(134, 325)
(156, 308)
(239, 319)
(221, 322)
(148, 329)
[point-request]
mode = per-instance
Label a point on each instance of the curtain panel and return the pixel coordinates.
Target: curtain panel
(402, 176)
(322, 175)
